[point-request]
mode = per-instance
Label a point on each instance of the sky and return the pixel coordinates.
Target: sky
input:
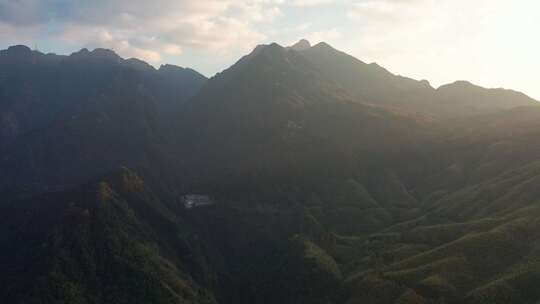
(493, 43)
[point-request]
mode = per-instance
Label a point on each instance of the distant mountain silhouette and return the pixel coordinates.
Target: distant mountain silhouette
(37, 89)
(376, 85)
(301, 45)
(478, 100)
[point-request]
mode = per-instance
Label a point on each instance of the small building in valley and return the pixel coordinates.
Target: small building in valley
(196, 200)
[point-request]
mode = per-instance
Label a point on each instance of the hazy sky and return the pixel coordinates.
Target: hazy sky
(494, 43)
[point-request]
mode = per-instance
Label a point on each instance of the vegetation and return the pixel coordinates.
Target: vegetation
(328, 181)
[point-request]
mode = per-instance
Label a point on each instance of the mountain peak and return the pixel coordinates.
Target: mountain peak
(19, 49)
(170, 68)
(138, 64)
(259, 48)
(19, 54)
(461, 86)
(463, 83)
(83, 51)
(105, 53)
(323, 45)
(272, 48)
(99, 53)
(174, 71)
(301, 45)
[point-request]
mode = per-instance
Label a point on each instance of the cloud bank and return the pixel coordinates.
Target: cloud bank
(140, 28)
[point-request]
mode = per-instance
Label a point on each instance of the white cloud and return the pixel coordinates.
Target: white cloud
(306, 3)
(324, 36)
(143, 28)
(259, 11)
(172, 49)
(22, 12)
(17, 35)
(302, 27)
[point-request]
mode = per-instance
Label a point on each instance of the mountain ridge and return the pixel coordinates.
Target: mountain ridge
(305, 45)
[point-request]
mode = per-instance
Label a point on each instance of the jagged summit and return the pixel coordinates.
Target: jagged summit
(18, 54)
(173, 69)
(324, 46)
(459, 83)
(170, 67)
(139, 64)
(266, 47)
(83, 51)
(467, 86)
(99, 53)
(177, 74)
(301, 45)
(19, 49)
(105, 53)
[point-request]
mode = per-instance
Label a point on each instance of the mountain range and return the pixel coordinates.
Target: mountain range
(298, 175)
